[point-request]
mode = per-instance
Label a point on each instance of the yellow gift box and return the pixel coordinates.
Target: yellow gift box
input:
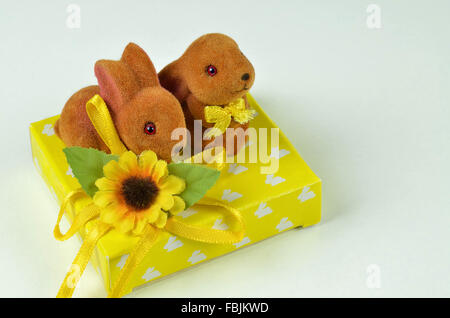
(269, 204)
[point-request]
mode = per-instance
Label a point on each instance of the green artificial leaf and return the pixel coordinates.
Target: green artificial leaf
(87, 165)
(199, 179)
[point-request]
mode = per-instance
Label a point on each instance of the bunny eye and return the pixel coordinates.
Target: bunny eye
(211, 70)
(150, 128)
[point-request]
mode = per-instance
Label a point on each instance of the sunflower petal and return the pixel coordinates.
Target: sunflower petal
(178, 205)
(160, 170)
(161, 221)
(105, 184)
(128, 161)
(173, 184)
(104, 198)
(113, 171)
(112, 213)
(165, 200)
(126, 224)
(152, 213)
(147, 161)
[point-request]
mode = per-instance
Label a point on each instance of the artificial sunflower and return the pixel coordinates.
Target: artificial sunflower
(137, 191)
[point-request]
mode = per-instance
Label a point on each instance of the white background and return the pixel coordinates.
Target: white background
(368, 109)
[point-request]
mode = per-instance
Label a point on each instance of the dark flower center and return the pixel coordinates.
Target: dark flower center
(139, 193)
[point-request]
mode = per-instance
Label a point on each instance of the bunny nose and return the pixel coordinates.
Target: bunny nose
(245, 77)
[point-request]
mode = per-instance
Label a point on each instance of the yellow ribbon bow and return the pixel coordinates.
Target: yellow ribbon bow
(221, 116)
(101, 119)
(142, 247)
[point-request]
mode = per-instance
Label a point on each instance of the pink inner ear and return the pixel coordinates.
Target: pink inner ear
(109, 91)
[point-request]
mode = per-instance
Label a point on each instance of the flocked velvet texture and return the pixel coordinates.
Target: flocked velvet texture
(131, 89)
(188, 80)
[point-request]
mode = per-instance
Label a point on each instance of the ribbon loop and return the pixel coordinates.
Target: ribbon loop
(144, 245)
(101, 119)
(80, 219)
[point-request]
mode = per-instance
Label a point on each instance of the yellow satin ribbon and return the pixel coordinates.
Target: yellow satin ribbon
(148, 238)
(101, 119)
(79, 263)
(221, 116)
(205, 235)
(88, 213)
(136, 256)
(181, 229)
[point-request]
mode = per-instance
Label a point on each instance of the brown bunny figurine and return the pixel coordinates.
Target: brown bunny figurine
(211, 72)
(144, 113)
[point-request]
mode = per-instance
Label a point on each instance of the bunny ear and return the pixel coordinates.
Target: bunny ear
(117, 82)
(139, 62)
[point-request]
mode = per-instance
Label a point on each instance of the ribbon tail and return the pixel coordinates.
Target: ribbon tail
(134, 259)
(101, 119)
(206, 235)
(79, 263)
(220, 126)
